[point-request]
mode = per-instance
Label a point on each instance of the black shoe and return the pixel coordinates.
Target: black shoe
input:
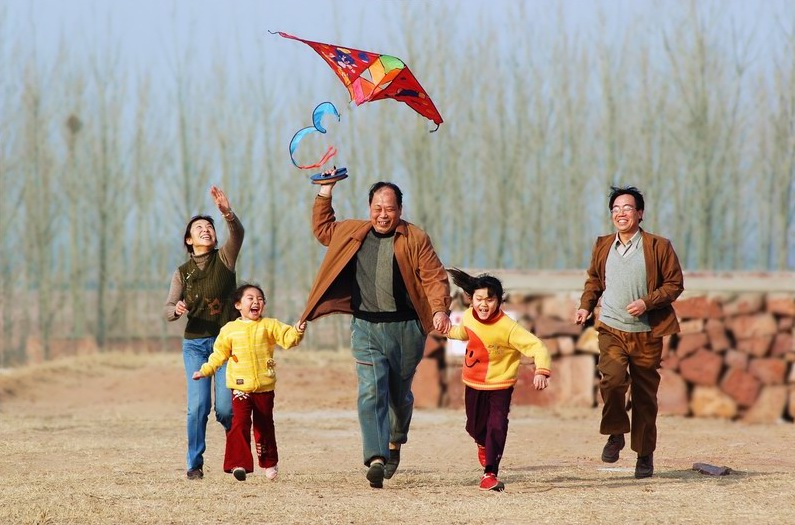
(612, 448)
(239, 473)
(644, 468)
(375, 475)
(196, 473)
(392, 464)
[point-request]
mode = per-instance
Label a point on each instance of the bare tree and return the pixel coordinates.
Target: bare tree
(10, 264)
(709, 88)
(778, 226)
(39, 193)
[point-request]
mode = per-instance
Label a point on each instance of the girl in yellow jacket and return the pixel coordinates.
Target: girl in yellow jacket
(247, 344)
(495, 344)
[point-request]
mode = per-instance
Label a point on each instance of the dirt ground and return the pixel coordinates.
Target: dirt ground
(100, 439)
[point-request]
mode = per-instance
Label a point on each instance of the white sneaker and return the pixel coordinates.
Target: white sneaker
(272, 472)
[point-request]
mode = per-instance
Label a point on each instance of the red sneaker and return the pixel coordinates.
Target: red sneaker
(489, 481)
(482, 455)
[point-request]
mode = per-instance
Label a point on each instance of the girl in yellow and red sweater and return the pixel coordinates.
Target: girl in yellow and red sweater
(495, 344)
(247, 344)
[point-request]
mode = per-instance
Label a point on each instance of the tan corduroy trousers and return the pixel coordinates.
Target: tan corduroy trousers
(630, 360)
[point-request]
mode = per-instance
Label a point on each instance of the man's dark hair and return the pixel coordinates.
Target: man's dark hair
(237, 295)
(381, 184)
(469, 283)
(616, 192)
(193, 219)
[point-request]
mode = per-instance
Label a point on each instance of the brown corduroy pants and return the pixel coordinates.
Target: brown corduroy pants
(630, 360)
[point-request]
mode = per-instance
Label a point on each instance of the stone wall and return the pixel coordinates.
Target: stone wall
(732, 359)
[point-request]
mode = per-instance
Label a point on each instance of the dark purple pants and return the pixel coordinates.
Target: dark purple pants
(487, 421)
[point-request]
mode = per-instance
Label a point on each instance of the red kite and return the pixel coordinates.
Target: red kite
(370, 76)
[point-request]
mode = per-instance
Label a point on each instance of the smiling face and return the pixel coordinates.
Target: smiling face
(484, 303)
(201, 237)
(626, 216)
(252, 304)
(385, 211)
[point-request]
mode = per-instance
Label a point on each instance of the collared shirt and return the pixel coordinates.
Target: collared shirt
(633, 244)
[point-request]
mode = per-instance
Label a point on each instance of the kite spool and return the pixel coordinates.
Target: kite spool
(328, 178)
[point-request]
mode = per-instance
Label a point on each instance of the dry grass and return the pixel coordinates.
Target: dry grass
(97, 440)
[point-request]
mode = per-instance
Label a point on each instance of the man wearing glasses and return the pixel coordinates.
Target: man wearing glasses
(637, 276)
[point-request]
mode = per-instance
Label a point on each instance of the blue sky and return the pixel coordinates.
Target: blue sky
(149, 35)
(146, 29)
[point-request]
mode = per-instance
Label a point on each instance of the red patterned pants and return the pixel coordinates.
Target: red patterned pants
(256, 408)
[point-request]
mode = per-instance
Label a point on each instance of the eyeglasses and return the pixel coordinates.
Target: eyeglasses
(626, 208)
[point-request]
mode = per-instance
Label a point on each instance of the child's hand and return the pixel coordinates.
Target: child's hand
(300, 326)
(197, 374)
(540, 381)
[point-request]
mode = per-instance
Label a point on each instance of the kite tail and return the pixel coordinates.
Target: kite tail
(329, 153)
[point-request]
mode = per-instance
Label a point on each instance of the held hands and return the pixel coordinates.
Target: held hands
(581, 316)
(441, 322)
(540, 381)
(300, 326)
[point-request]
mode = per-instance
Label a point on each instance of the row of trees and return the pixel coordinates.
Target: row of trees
(101, 165)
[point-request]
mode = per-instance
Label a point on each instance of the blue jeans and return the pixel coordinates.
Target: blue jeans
(195, 353)
(387, 355)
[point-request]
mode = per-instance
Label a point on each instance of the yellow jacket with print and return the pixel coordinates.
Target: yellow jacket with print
(247, 346)
(494, 350)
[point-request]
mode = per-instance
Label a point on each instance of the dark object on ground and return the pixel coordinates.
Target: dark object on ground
(712, 470)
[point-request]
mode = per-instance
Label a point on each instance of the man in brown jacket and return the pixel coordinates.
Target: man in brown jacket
(385, 272)
(637, 276)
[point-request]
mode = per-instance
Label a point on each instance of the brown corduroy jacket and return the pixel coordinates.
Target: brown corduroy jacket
(664, 280)
(422, 271)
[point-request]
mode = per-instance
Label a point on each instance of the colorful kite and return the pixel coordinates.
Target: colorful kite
(370, 76)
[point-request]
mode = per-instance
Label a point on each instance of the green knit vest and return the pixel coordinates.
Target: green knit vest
(208, 296)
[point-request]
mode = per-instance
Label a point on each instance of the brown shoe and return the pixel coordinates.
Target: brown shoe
(644, 468)
(196, 473)
(612, 448)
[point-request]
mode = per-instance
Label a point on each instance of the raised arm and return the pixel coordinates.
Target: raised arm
(231, 248)
(323, 219)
